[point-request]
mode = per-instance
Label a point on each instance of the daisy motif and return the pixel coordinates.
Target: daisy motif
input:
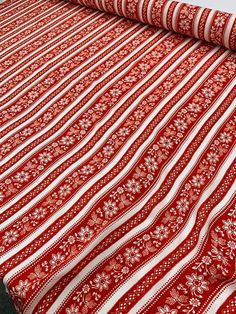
(22, 176)
(196, 283)
(10, 236)
(161, 232)
(110, 208)
(56, 260)
(85, 234)
(22, 288)
(73, 309)
(102, 281)
(198, 180)
(151, 164)
(133, 186)
(166, 310)
(132, 255)
(65, 190)
(45, 157)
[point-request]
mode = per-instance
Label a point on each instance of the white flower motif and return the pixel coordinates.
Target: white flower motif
(197, 283)
(180, 124)
(219, 21)
(5, 148)
(161, 232)
(15, 108)
(130, 79)
(184, 25)
(87, 169)
(212, 157)
(22, 288)
(230, 227)
(123, 132)
(151, 163)
(133, 186)
(10, 236)
(65, 190)
(110, 208)
(132, 255)
(102, 281)
(33, 94)
(85, 123)
(225, 138)
(72, 310)
(198, 180)
(182, 205)
(56, 260)
(100, 107)
(67, 140)
(27, 132)
(193, 107)
(85, 234)
(166, 310)
(108, 150)
(39, 213)
(115, 92)
(22, 176)
(64, 101)
(45, 157)
(208, 93)
(194, 302)
(166, 142)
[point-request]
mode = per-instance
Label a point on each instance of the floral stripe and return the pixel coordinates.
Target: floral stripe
(181, 18)
(117, 175)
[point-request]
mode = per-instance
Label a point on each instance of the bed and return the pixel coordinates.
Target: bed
(117, 156)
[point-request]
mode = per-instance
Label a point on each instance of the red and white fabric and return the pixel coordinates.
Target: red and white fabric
(117, 152)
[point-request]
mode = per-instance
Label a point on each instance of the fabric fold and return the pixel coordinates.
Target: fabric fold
(206, 24)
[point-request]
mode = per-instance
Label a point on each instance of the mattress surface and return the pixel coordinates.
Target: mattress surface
(117, 157)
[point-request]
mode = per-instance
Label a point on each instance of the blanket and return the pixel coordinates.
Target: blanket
(117, 157)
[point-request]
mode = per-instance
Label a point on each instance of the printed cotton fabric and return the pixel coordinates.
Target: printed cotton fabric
(117, 175)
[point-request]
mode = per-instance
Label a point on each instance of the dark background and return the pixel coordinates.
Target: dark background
(6, 306)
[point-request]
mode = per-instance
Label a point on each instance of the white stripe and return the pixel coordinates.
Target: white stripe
(144, 225)
(122, 173)
(20, 14)
(123, 8)
(226, 37)
(36, 56)
(42, 30)
(220, 298)
(11, 7)
(164, 15)
(116, 7)
(103, 6)
(73, 104)
(25, 24)
(171, 247)
(208, 24)
(99, 6)
(14, 34)
(67, 77)
(107, 117)
(109, 166)
(140, 11)
(174, 17)
(82, 75)
(196, 22)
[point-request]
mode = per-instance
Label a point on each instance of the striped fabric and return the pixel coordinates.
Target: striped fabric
(202, 23)
(117, 150)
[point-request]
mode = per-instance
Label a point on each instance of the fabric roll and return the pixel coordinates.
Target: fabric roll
(210, 25)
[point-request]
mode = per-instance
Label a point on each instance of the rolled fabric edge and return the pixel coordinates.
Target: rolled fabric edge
(202, 23)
